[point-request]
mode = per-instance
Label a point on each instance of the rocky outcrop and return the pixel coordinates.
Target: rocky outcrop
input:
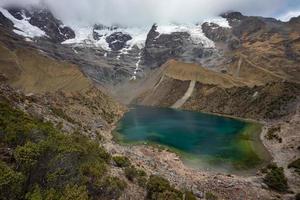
(215, 32)
(44, 19)
(159, 48)
(5, 22)
(117, 40)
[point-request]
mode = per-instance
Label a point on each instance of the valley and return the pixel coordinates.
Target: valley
(198, 88)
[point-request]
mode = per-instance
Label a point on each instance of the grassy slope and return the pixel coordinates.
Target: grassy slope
(33, 72)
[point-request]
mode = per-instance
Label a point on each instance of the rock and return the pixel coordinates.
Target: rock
(199, 194)
(215, 32)
(295, 20)
(118, 40)
(160, 48)
(233, 15)
(264, 186)
(248, 26)
(5, 22)
(44, 19)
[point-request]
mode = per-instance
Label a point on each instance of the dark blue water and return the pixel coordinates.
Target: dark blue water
(210, 138)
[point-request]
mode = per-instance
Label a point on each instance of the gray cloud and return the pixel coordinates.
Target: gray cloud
(143, 12)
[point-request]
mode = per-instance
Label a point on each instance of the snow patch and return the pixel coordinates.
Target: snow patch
(23, 27)
(84, 34)
(195, 31)
(137, 66)
(220, 21)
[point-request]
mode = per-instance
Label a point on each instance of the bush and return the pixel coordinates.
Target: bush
(94, 170)
(35, 194)
(130, 173)
(136, 175)
(121, 161)
(108, 188)
(159, 188)
(27, 156)
(11, 183)
(74, 192)
(276, 179)
(210, 196)
(56, 166)
(189, 196)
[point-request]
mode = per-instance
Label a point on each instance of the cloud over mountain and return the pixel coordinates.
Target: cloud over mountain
(142, 12)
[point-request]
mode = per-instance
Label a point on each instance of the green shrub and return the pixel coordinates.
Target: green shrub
(131, 173)
(276, 179)
(189, 196)
(296, 165)
(56, 166)
(35, 194)
(121, 161)
(142, 181)
(210, 196)
(93, 170)
(169, 195)
(27, 156)
(74, 192)
(159, 188)
(108, 188)
(11, 183)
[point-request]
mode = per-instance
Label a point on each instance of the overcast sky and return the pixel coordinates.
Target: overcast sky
(142, 12)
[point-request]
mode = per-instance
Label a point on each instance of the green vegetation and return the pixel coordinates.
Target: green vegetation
(136, 175)
(159, 188)
(276, 179)
(47, 164)
(296, 165)
(121, 161)
(39, 162)
(60, 113)
(10, 182)
(210, 196)
(189, 196)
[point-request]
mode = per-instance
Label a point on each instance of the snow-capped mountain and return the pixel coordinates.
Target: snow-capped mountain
(117, 53)
(35, 22)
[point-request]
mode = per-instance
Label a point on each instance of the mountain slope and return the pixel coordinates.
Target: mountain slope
(34, 72)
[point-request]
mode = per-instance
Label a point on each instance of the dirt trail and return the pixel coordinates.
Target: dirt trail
(186, 96)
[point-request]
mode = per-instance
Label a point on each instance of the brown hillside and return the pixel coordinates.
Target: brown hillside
(34, 72)
(186, 72)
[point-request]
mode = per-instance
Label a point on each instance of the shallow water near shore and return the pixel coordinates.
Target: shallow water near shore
(203, 141)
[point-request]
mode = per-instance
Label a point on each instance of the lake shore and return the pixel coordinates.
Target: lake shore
(225, 185)
(246, 141)
(168, 164)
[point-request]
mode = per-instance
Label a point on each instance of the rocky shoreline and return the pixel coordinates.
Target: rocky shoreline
(226, 186)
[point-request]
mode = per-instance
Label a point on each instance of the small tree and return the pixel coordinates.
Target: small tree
(10, 182)
(75, 192)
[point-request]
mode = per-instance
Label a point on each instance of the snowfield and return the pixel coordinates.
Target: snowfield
(23, 27)
(84, 34)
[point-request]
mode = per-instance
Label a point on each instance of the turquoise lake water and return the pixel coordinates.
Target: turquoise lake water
(201, 139)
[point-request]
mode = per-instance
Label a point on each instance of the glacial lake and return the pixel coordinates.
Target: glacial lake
(203, 141)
